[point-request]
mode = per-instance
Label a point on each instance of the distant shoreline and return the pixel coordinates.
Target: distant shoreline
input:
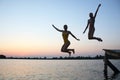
(49, 59)
(60, 58)
(54, 59)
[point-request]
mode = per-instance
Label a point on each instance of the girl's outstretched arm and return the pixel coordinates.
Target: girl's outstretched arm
(86, 27)
(57, 29)
(74, 36)
(97, 10)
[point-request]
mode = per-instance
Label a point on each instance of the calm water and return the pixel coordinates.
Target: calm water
(54, 69)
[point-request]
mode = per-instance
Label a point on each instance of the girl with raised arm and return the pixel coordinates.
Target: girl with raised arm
(65, 35)
(90, 23)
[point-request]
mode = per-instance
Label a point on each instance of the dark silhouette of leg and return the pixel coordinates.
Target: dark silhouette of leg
(96, 38)
(91, 33)
(65, 48)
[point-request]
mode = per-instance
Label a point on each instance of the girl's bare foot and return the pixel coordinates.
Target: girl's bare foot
(99, 39)
(73, 51)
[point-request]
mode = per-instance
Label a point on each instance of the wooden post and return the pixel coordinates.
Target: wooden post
(108, 63)
(116, 71)
(105, 65)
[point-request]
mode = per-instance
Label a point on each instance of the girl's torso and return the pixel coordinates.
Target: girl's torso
(91, 22)
(65, 35)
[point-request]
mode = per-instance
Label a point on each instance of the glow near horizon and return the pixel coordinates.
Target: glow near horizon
(25, 26)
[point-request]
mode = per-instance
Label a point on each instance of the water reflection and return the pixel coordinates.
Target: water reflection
(112, 77)
(52, 70)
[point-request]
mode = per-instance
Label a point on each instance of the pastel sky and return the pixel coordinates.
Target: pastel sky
(25, 26)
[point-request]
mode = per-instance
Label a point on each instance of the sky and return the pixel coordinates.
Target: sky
(26, 26)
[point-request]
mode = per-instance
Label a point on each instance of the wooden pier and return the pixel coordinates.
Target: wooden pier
(112, 53)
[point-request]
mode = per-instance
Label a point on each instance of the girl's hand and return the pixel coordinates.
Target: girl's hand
(99, 5)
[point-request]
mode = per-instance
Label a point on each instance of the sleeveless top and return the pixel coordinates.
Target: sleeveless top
(91, 21)
(65, 36)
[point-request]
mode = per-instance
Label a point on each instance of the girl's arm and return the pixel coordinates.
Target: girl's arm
(57, 29)
(97, 10)
(74, 36)
(86, 27)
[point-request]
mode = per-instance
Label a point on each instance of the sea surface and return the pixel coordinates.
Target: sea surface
(18, 69)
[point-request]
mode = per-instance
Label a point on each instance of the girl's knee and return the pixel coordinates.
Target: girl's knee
(90, 37)
(63, 50)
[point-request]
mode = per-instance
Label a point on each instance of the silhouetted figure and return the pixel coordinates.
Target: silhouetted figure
(91, 23)
(65, 34)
